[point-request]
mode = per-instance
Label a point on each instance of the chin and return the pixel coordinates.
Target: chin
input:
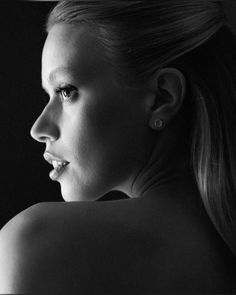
(69, 194)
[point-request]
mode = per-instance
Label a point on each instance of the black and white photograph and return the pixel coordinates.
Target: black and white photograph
(118, 147)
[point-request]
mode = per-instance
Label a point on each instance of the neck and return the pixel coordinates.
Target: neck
(164, 172)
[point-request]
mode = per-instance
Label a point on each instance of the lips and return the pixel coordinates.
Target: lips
(58, 164)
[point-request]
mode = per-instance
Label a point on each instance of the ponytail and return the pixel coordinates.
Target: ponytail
(142, 36)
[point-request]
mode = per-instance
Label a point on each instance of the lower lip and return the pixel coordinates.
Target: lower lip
(56, 173)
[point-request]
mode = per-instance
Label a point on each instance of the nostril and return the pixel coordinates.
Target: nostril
(44, 130)
(42, 139)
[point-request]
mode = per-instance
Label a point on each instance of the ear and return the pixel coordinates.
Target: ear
(168, 92)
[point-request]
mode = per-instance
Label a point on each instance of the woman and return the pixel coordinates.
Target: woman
(142, 101)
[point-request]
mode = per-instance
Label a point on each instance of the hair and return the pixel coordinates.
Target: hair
(143, 36)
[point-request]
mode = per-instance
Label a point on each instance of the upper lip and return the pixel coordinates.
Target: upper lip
(49, 157)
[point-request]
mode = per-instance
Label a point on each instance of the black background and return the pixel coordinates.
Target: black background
(24, 177)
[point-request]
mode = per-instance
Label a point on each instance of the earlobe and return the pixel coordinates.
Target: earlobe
(170, 85)
(158, 124)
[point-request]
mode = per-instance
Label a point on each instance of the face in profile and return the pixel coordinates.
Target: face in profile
(94, 130)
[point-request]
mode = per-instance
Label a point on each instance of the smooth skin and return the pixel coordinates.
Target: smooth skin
(158, 240)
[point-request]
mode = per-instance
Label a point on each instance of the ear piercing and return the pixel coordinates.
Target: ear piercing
(158, 124)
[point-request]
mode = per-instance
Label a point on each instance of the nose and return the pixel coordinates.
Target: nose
(45, 127)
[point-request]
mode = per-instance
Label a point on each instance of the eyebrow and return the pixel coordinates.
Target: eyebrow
(62, 70)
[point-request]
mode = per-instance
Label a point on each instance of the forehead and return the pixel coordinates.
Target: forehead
(73, 47)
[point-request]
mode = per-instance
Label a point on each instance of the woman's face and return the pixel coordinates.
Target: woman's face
(94, 130)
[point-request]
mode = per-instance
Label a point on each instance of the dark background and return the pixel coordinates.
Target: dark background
(24, 173)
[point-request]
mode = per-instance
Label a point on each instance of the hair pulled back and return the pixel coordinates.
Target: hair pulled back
(142, 36)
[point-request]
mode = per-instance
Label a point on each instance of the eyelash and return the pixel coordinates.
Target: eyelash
(67, 88)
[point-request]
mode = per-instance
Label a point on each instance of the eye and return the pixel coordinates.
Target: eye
(66, 92)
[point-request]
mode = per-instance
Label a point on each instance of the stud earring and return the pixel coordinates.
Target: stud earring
(159, 124)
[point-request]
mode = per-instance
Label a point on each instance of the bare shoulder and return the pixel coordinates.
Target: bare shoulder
(115, 246)
(18, 240)
(71, 246)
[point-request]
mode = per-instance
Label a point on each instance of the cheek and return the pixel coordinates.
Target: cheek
(109, 126)
(87, 130)
(103, 132)
(101, 122)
